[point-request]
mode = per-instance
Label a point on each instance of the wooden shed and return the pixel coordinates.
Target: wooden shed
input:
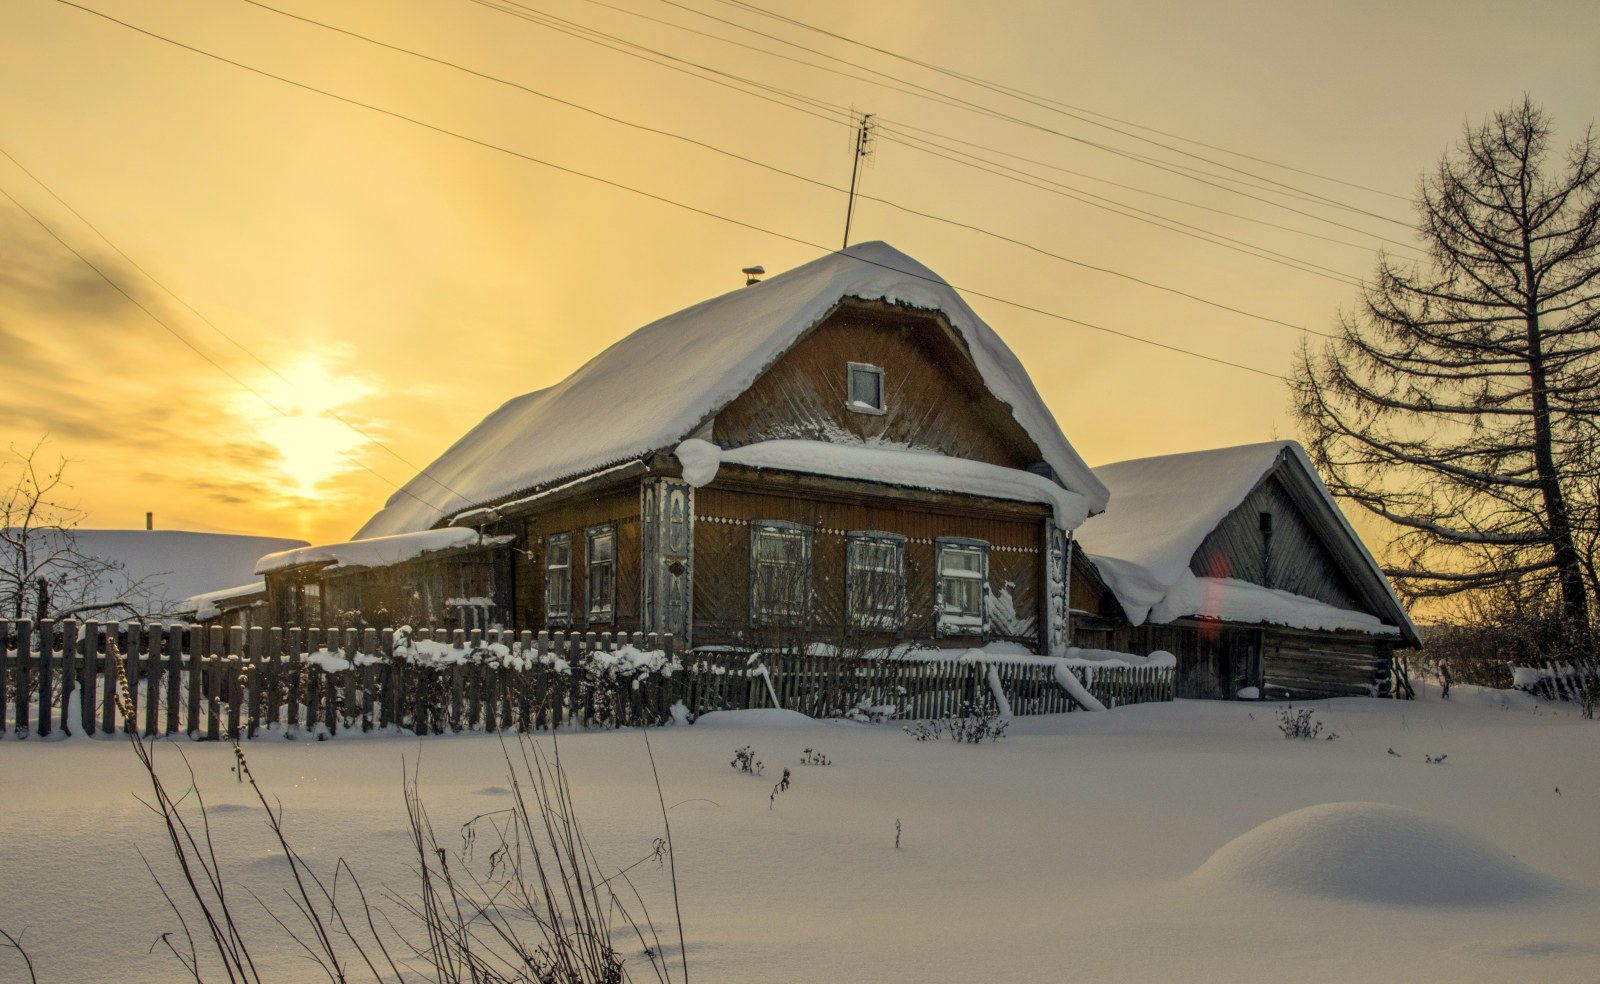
(843, 457)
(1238, 562)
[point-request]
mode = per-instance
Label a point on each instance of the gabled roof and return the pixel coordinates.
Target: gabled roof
(655, 387)
(1163, 508)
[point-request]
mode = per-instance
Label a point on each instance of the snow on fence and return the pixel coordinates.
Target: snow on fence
(211, 682)
(1557, 679)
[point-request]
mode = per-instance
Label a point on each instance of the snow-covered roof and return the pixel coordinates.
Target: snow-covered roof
(653, 388)
(159, 568)
(1232, 600)
(1163, 508)
(210, 603)
(378, 551)
(892, 466)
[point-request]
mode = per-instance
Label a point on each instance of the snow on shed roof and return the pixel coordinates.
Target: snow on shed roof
(651, 389)
(1163, 508)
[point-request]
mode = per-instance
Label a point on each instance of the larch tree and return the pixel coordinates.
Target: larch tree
(1460, 400)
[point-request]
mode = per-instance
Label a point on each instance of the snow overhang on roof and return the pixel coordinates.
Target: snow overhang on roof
(652, 389)
(1163, 508)
(382, 551)
(890, 466)
(210, 604)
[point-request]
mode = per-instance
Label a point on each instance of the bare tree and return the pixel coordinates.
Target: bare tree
(1460, 400)
(43, 572)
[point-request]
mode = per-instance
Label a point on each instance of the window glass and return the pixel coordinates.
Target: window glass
(558, 578)
(866, 386)
(875, 580)
(780, 583)
(600, 572)
(963, 584)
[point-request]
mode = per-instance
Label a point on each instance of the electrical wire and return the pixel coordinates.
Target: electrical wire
(1046, 102)
(652, 196)
(786, 173)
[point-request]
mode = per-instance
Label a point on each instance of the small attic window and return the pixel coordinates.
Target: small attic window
(865, 392)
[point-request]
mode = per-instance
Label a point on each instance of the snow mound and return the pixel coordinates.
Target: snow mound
(757, 717)
(1372, 852)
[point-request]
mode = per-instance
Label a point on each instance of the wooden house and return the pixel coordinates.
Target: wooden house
(843, 456)
(1238, 562)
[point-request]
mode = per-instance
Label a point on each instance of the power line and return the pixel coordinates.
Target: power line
(1046, 102)
(786, 173)
(1152, 218)
(583, 32)
(1018, 120)
(534, 15)
(934, 136)
(663, 199)
(1171, 167)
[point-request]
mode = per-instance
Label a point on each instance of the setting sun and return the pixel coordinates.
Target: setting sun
(314, 438)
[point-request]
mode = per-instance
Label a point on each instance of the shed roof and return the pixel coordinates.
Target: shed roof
(1163, 508)
(655, 387)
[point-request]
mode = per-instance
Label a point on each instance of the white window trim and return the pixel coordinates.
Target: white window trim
(759, 615)
(947, 624)
(551, 616)
(879, 621)
(596, 612)
(849, 377)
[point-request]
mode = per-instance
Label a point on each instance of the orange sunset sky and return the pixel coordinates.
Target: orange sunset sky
(281, 256)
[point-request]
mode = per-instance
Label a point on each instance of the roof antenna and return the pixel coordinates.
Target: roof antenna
(753, 274)
(863, 150)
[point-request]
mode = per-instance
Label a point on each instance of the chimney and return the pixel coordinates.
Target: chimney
(149, 520)
(753, 274)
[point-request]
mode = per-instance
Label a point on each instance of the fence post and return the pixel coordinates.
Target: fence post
(108, 688)
(256, 676)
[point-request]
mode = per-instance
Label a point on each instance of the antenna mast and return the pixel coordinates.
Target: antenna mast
(863, 150)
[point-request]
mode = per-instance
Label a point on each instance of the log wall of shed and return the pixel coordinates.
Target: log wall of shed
(723, 516)
(934, 398)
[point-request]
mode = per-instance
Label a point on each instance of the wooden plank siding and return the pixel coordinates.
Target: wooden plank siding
(934, 397)
(618, 507)
(724, 512)
(1296, 560)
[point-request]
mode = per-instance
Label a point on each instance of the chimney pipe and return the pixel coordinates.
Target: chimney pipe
(149, 520)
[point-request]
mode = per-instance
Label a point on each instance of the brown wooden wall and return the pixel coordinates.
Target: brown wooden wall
(1325, 664)
(1217, 659)
(722, 563)
(574, 516)
(1299, 563)
(933, 396)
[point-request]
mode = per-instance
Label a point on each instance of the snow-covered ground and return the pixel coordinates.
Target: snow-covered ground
(1186, 841)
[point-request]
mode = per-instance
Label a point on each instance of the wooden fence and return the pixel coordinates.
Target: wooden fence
(214, 682)
(1558, 679)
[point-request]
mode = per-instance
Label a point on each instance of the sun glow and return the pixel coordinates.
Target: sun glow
(312, 444)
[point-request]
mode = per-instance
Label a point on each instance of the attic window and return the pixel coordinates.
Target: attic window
(865, 394)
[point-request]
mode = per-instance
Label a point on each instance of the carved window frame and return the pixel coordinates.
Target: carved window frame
(600, 573)
(961, 579)
(558, 579)
(780, 587)
(875, 580)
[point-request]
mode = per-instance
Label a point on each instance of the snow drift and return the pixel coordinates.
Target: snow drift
(1372, 852)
